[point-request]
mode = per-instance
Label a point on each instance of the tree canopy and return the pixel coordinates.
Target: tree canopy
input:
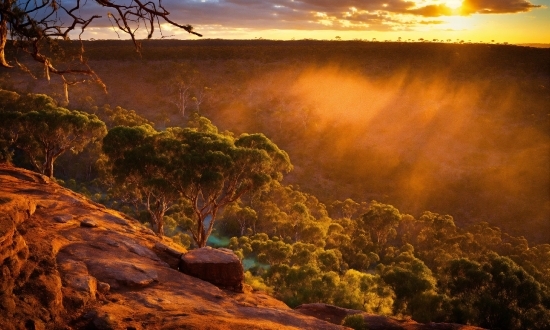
(48, 131)
(207, 168)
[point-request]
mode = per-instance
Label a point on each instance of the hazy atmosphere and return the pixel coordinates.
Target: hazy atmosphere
(275, 164)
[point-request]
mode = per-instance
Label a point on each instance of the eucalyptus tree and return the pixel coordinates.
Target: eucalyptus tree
(48, 131)
(138, 167)
(215, 170)
(207, 168)
(380, 221)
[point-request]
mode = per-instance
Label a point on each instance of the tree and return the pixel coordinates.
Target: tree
(139, 158)
(245, 217)
(410, 279)
(31, 24)
(380, 221)
(216, 170)
(207, 168)
(49, 131)
(183, 92)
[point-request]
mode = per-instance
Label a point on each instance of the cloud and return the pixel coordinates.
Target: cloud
(324, 14)
(432, 11)
(496, 6)
(372, 15)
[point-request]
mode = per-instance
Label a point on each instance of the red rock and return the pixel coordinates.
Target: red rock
(220, 267)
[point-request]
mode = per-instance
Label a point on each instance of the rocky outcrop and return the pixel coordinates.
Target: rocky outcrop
(30, 289)
(220, 267)
(57, 273)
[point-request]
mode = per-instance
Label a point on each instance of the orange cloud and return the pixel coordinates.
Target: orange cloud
(496, 6)
(432, 11)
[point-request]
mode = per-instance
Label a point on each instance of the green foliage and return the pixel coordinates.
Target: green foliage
(257, 283)
(207, 169)
(355, 321)
(496, 294)
(44, 131)
(120, 117)
(410, 278)
(380, 222)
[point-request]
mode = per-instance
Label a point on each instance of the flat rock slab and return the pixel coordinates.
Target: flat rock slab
(220, 267)
(118, 273)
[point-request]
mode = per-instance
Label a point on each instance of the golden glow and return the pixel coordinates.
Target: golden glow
(458, 23)
(453, 4)
(434, 124)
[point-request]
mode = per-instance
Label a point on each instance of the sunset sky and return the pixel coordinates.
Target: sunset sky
(513, 21)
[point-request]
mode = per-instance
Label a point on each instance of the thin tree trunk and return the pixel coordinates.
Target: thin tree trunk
(242, 227)
(48, 167)
(4, 35)
(201, 242)
(160, 225)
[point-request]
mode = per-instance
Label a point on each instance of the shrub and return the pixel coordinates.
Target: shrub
(355, 321)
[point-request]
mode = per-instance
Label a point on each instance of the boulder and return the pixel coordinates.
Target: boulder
(63, 218)
(88, 223)
(220, 267)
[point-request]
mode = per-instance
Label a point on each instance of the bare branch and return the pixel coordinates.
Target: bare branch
(33, 23)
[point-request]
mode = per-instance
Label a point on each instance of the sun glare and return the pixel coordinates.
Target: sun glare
(458, 23)
(453, 4)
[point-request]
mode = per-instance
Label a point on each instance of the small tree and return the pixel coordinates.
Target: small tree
(46, 133)
(380, 221)
(139, 166)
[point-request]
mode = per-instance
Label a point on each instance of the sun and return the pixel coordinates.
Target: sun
(453, 4)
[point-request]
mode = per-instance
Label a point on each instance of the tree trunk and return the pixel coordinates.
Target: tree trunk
(48, 167)
(201, 242)
(160, 227)
(158, 219)
(4, 35)
(242, 229)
